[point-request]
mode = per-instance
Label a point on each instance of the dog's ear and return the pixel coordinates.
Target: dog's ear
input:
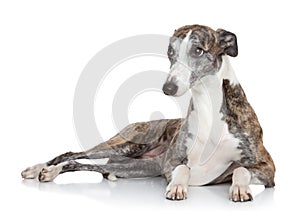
(228, 42)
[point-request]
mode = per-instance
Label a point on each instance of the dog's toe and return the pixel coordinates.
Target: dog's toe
(239, 193)
(48, 174)
(176, 192)
(32, 172)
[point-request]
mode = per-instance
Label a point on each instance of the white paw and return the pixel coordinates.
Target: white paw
(176, 192)
(33, 172)
(49, 173)
(240, 193)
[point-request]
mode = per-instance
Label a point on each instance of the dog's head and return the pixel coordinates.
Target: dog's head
(194, 52)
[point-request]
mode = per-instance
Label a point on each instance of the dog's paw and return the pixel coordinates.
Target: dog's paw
(33, 171)
(176, 192)
(49, 173)
(239, 193)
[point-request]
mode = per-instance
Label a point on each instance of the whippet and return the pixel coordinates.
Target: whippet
(220, 140)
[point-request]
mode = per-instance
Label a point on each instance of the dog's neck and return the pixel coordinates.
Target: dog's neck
(226, 71)
(212, 84)
(207, 99)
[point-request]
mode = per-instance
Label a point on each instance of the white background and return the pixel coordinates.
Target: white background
(44, 46)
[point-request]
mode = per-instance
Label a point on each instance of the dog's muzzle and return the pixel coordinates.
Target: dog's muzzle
(170, 88)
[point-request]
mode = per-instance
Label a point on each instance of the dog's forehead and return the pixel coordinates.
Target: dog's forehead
(198, 34)
(183, 39)
(181, 44)
(182, 31)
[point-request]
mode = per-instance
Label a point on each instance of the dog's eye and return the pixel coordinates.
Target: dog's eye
(198, 51)
(171, 51)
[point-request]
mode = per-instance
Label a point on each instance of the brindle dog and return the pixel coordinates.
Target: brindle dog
(219, 140)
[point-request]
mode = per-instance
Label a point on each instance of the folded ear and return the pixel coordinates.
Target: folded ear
(228, 42)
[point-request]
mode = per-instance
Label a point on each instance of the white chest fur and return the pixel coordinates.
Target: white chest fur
(212, 148)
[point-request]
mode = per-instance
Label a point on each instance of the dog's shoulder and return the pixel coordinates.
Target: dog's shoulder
(241, 120)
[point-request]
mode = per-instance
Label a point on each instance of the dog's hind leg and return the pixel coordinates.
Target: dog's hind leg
(116, 146)
(133, 141)
(33, 171)
(132, 168)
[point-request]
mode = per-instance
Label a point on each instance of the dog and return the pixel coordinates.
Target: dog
(219, 141)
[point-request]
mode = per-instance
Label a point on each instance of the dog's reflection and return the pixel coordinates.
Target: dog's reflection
(122, 190)
(135, 191)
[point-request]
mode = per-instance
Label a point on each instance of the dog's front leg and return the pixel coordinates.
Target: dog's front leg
(177, 188)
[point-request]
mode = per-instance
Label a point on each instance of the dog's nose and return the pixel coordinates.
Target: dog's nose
(170, 88)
